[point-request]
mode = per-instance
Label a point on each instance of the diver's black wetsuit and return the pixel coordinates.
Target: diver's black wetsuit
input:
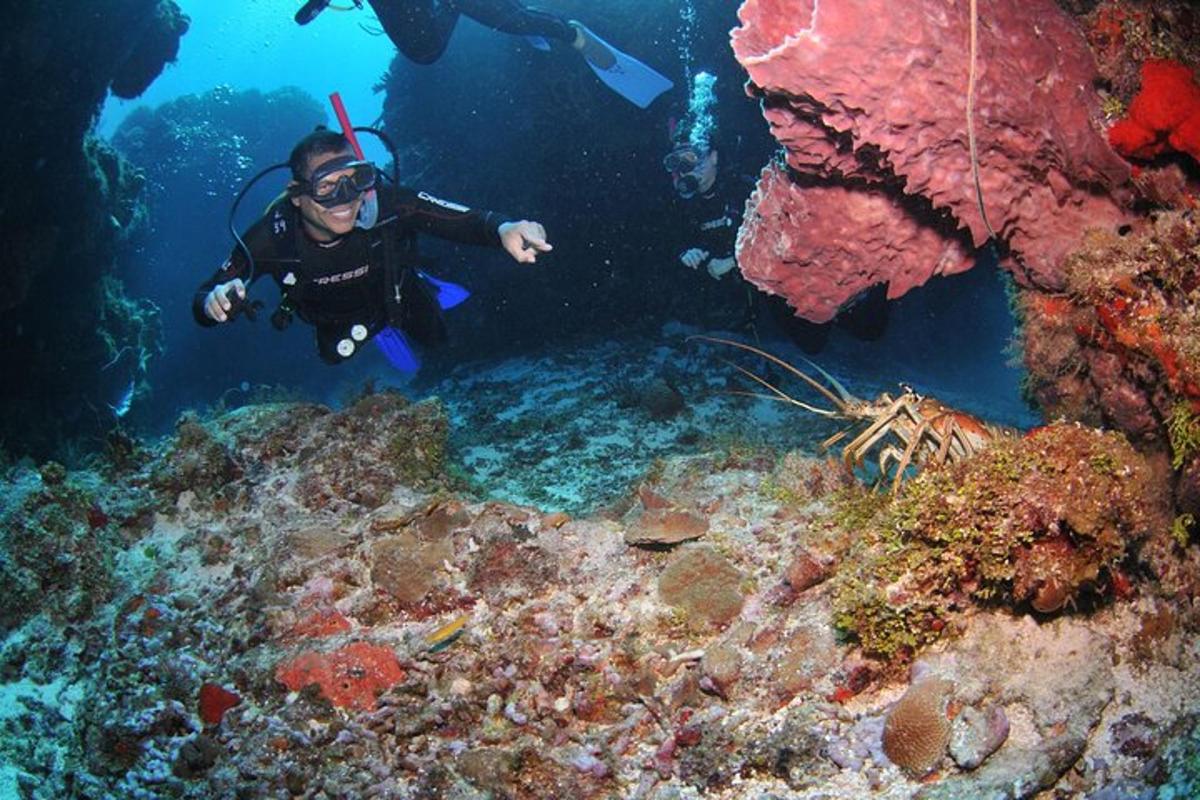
(337, 285)
(713, 219)
(421, 28)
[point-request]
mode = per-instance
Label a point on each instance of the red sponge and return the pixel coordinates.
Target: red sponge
(1164, 116)
(215, 701)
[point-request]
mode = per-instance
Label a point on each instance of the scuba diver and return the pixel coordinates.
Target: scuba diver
(713, 201)
(713, 208)
(340, 245)
(714, 216)
(421, 30)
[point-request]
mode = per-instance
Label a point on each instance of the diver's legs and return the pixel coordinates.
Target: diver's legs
(420, 29)
(509, 16)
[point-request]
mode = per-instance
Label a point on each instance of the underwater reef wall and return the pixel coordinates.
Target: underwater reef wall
(1119, 347)
(872, 115)
(70, 204)
(1116, 347)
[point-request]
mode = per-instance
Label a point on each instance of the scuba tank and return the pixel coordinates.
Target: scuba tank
(309, 11)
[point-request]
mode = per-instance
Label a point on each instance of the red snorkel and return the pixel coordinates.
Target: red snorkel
(370, 209)
(339, 110)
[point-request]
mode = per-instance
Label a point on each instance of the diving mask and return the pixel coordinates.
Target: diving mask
(684, 163)
(682, 159)
(328, 191)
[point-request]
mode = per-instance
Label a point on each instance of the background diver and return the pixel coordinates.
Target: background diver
(351, 277)
(713, 199)
(421, 30)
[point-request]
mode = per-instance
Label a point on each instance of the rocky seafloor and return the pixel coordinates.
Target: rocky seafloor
(285, 600)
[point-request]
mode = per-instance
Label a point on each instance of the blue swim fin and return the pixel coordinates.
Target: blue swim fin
(623, 73)
(448, 294)
(397, 350)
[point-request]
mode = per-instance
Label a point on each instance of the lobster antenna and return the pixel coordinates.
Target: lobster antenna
(837, 401)
(777, 393)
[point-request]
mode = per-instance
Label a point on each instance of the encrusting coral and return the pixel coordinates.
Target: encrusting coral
(351, 677)
(1121, 346)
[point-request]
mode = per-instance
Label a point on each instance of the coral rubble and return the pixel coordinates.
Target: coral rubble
(299, 601)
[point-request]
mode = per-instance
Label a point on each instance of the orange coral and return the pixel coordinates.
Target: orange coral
(1133, 322)
(324, 622)
(1053, 307)
(351, 677)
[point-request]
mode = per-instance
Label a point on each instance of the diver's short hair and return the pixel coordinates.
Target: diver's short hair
(318, 143)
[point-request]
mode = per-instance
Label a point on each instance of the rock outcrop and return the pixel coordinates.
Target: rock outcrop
(70, 206)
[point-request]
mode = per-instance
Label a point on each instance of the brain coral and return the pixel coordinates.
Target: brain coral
(916, 732)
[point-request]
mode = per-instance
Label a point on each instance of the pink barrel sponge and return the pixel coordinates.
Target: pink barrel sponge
(1164, 116)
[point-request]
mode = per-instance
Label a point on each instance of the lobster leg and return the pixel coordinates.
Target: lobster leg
(888, 454)
(837, 437)
(969, 448)
(906, 458)
(854, 451)
(944, 447)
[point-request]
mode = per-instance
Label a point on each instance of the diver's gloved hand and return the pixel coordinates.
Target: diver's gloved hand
(719, 266)
(217, 303)
(693, 257)
(524, 240)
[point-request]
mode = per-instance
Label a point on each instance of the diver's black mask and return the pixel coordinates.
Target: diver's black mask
(328, 192)
(682, 159)
(683, 163)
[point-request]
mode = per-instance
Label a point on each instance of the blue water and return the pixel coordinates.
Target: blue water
(497, 124)
(255, 44)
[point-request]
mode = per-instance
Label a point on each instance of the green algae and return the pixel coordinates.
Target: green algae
(1032, 522)
(1183, 432)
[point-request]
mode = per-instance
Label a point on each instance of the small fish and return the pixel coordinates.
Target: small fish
(446, 635)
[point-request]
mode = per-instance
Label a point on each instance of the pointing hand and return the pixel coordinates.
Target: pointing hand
(524, 240)
(217, 303)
